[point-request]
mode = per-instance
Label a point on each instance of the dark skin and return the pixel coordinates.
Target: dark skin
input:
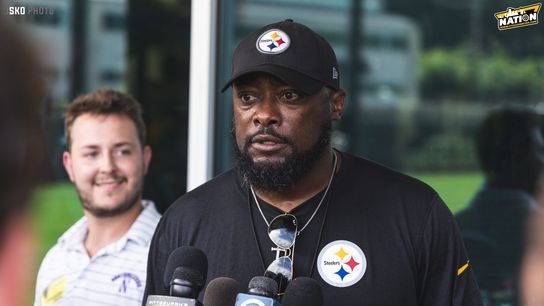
(262, 100)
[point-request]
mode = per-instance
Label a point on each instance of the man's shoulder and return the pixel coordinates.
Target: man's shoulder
(366, 171)
(217, 191)
(70, 239)
(74, 235)
(385, 191)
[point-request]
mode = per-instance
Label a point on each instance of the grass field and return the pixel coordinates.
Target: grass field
(455, 189)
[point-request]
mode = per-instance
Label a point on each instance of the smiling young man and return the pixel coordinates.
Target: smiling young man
(367, 234)
(101, 259)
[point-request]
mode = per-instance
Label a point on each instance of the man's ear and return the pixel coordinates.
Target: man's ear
(147, 158)
(67, 162)
(337, 103)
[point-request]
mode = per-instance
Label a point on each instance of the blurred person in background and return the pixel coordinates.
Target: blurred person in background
(510, 151)
(101, 260)
(21, 159)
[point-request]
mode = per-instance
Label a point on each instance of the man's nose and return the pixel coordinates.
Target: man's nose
(267, 113)
(107, 163)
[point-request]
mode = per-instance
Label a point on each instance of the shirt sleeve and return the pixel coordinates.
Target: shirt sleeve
(156, 262)
(445, 276)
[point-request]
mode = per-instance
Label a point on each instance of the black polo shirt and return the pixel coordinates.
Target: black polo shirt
(380, 238)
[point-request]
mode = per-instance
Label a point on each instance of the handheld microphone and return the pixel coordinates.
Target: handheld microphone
(221, 291)
(185, 274)
(262, 291)
(303, 291)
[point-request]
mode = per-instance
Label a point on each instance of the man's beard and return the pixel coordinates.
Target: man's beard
(90, 206)
(280, 176)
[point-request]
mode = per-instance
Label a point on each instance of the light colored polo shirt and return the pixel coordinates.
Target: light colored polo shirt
(114, 276)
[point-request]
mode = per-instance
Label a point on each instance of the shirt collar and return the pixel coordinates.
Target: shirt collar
(140, 232)
(143, 227)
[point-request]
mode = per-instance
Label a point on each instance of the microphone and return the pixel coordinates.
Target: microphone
(185, 274)
(303, 291)
(221, 291)
(262, 291)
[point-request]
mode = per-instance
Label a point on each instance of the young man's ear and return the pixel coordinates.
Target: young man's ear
(67, 162)
(147, 158)
(337, 103)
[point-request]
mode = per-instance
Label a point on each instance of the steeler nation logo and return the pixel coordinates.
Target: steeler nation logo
(518, 17)
(341, 263)
(273, 42)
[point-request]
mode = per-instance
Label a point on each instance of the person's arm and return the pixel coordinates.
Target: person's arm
(156, 262)
(532, 271)
(445, 276)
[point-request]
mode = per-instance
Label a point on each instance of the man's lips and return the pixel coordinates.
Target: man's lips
(109, 185)
(267, 139)
(267, 143)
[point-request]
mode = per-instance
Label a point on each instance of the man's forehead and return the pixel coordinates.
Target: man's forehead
(95, 129)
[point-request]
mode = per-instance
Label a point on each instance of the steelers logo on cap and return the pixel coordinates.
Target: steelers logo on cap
(273, 41)
(341, 263)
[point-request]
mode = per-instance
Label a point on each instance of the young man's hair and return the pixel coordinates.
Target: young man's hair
(510, 148)
(104, 102)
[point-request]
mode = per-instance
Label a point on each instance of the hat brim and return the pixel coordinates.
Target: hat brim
(299, 81)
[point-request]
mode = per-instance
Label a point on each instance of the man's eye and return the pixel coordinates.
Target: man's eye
(123, 152)
(90, 154)
(290, 96)
(247, 98)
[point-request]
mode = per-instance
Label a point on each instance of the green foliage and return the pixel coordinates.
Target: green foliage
(503, 77)
(448, 151)
(445, 73)
(458, 73)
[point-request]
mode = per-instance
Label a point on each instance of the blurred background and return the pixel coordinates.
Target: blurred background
(420, 77)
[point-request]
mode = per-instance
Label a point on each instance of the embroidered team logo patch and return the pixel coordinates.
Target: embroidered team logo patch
(341, 263)
(126, 280)
(273, 42)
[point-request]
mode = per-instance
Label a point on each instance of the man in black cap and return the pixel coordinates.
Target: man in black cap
(367, 234)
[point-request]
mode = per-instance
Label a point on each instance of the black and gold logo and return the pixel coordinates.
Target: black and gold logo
(518, 17)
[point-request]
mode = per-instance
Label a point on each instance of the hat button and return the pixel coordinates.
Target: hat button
(290, 20)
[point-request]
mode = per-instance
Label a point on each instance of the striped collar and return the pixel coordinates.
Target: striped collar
(140, 232)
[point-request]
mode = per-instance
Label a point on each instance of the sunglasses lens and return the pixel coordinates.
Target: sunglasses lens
(280, 270)
(283, 230)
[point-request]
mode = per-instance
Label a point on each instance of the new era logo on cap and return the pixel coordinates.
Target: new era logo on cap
(273, 42)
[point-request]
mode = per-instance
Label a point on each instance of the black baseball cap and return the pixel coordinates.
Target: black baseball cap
(291, 52)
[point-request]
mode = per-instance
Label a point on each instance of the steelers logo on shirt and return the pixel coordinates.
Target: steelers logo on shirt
(273, 41)
(341, 263)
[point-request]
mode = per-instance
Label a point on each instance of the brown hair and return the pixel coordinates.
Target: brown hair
(104, 102)
(22, 93)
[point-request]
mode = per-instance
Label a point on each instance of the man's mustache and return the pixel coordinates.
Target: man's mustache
(266, 131)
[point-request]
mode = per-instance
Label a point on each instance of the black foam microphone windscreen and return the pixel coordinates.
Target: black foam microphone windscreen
(262, 291)
(185, 274)
(187, 257)
(221, 291)
(303, 291)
